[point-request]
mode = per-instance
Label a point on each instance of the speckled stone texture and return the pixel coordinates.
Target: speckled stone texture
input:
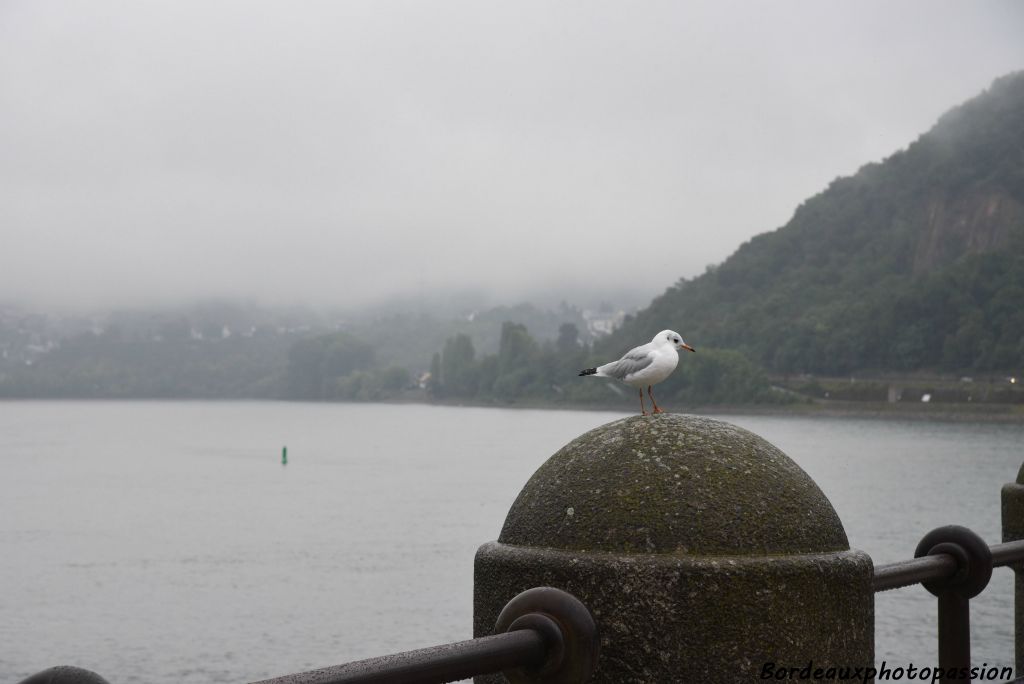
(1013, 530)
(702, 550)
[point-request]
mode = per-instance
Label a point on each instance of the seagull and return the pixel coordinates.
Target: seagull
(647, 364)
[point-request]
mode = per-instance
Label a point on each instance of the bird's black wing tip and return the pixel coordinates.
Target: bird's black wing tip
(588, 371)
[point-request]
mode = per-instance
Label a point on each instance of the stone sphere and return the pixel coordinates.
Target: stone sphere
(673, 484)
(702, 551)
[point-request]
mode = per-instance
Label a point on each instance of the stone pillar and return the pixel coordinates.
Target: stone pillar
(703, 552)
(1013, 530)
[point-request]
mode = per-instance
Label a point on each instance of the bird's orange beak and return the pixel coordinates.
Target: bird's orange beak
(686, 346)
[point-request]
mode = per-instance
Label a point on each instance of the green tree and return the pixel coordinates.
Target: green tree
(458, 367)
(517, 371)
(316, 364)
(568, 338)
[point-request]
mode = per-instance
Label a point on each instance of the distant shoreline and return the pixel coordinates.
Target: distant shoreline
(830, 408)
(947, 413)
(935, 412)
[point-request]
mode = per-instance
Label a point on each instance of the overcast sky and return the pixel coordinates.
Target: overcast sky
(342, 152)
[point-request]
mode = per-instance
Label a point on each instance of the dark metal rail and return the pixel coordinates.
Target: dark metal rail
(955, 565)
(938, 566)
(522, 648)
(1008, 553)
(542, 632)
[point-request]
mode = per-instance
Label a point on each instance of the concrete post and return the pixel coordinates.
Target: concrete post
(1013, 530)
(704, 553)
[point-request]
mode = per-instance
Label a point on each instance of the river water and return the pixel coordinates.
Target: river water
(164, 542)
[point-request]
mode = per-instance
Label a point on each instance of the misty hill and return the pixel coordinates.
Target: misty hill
(233, 350)
(914, 263)
(214, 350)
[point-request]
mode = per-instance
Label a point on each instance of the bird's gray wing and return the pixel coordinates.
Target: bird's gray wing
(634, 361)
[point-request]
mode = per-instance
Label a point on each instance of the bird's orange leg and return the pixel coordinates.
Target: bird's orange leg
(656, 409)
(643, 410)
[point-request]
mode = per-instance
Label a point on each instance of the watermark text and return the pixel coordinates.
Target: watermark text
(883, 673)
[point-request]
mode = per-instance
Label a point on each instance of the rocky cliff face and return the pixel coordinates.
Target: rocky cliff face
(970, 223)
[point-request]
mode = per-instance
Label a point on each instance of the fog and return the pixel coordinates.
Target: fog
(341, 153)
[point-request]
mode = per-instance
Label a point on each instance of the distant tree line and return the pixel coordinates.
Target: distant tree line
(121, 363)
(340, 367)
(524, 370)
(966, 318)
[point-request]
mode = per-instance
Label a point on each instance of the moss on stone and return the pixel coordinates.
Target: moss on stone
(1013, 530)
(673, 484)
(710, 619)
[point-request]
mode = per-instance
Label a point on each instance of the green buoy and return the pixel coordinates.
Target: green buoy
(284, 456)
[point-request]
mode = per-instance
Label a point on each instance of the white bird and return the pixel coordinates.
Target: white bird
(647, 365)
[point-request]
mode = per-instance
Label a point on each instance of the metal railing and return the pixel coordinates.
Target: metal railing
(955, 565)
(543, 633)
(952, 562)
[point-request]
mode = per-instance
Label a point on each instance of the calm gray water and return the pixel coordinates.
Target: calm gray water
(164, 542)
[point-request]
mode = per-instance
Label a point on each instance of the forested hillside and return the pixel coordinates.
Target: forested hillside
(914, 263)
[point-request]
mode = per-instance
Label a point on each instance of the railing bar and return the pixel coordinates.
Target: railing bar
(905, 573)
(1007, 553)
(954, 634)
(433, 665)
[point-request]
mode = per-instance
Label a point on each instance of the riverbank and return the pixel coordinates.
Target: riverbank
(962, 413)
(825, 408)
